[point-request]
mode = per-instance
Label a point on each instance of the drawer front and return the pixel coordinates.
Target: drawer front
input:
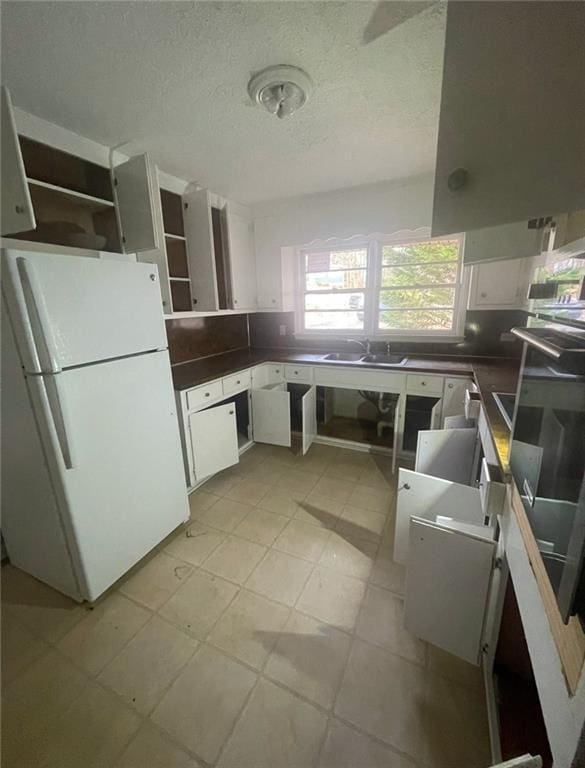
(424, 385)
(383, 381)
(275, 373)
(236, 383)
(298, 373)
(205, 394)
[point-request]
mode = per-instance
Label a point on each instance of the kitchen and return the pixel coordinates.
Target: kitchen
(276, 456)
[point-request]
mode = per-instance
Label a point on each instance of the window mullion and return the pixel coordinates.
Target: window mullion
(370, 299)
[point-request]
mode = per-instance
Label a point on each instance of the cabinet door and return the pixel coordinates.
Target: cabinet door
(17, 208)
(510, 71)
(499, 285)
(242, 262)
(309, 413)
(214, 439)
(199, 237)
(507, 242)
(435, 421)
(431, 497)
(271, 415)
(454, 397)
(138, 203)
(398, 421)
(447, 586)
(446, 453)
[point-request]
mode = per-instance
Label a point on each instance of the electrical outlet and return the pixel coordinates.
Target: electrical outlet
(282, 330)
(505, 336)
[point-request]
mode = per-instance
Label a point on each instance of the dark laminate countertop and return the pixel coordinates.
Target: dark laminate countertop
(492, 374)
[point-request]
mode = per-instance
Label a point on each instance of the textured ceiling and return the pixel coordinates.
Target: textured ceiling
(170, 78)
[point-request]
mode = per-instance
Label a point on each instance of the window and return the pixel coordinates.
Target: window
(382, 287)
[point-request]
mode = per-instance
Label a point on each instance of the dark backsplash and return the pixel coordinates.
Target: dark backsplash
(194, 337)
(481, 336)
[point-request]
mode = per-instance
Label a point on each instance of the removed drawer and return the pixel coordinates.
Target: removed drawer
(237, 382)
(424, 385)
(298, 373)
(492, 489)
(204, 394)
(472, 404)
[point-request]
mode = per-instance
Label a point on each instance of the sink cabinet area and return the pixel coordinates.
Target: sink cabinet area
(285, 404)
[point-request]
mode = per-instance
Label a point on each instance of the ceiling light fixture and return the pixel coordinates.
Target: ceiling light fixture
(282, 90)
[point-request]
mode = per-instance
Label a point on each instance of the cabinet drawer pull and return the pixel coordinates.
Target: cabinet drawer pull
(207, 394)
(423, 383)
(238, 382)
(450, 386)
(405, 487)
(231, 413)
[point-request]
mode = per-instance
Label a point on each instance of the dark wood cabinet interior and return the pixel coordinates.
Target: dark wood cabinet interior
(73, 199)
(176, 250)
(522, 728)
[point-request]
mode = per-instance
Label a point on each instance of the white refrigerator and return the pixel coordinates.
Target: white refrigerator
(92, 472)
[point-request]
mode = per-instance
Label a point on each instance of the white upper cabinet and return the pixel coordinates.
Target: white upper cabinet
(509, 241)
(199, 236)
(140, 217)
(499, 285)
(510, 144)
(17, 207)
(242, 261)
(136, 186)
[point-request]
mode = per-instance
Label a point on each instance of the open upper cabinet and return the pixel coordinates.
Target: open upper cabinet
(221, 252)
(510, 144)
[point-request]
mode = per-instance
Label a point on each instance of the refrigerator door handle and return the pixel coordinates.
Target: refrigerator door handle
(36, 311)
(56, 412)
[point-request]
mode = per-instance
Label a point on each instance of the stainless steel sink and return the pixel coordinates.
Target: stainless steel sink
(384, 359)
(350, 357)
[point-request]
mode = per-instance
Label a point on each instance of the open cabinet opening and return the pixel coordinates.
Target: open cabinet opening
(221, 256)
(418, 416)
(359, 416)
(176, 251)
(72, 199)
(521, 722)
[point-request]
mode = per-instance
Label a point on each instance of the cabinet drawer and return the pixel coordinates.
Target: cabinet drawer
(236, 383)
(298, 373)
(275, 373)
(205, 394)
(424, 385)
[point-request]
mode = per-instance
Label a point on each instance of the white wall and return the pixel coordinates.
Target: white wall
(384, 208)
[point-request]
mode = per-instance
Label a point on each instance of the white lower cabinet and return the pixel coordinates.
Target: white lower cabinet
(449, 573)
(214, 439)
(446, 536)
(454, 396)
(271, 415)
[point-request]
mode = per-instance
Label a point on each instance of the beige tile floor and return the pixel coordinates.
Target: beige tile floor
(267, 632)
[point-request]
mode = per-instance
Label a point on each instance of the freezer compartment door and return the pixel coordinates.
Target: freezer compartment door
(68, 311)
(113, 441)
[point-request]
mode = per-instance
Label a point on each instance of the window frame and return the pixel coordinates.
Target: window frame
(371, 292)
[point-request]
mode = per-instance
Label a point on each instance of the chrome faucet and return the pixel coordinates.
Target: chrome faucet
(366, 346)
